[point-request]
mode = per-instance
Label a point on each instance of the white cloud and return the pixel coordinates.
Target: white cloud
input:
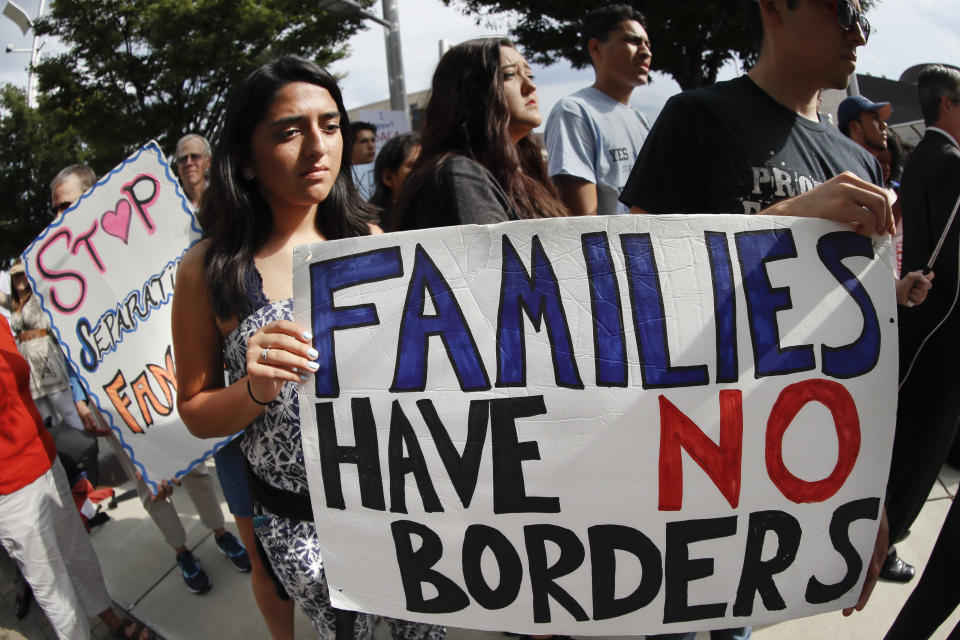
(909, 32)
(423, 23)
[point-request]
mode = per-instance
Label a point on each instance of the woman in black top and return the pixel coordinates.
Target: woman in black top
(390, 171)
(479, 162)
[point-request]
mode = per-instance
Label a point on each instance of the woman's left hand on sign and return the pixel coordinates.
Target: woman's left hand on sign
(277, 353)
(89, 420)
(163, 490)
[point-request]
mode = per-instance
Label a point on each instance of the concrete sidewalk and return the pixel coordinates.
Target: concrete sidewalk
(144, 581)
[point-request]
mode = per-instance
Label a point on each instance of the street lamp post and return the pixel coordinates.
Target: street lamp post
(853, 89)
(391, 23)
(398, 89)
(22, 20)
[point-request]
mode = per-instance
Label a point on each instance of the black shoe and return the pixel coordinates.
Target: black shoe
(231, 547)
(896, 570)
(196, 578)
(98, 519)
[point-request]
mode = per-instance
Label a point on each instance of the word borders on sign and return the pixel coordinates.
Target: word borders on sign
(599, 426)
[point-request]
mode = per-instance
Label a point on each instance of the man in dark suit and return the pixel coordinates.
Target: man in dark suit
(938, 592)
(929, 407)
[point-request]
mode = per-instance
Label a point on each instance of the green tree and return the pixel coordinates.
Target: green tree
(691, 40)
(140, 69)
(135, 70)
(36, 145)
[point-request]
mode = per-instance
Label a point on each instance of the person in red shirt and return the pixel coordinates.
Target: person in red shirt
(39, 526)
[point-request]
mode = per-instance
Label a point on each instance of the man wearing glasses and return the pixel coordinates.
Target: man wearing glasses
(193, 161)
(753, 143)
(65, 189)
(757, 143)
(68, 185)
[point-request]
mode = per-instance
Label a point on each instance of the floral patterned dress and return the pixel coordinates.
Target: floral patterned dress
(275, 453)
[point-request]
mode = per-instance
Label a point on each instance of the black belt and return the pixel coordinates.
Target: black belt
(281, 502)
(294, 506)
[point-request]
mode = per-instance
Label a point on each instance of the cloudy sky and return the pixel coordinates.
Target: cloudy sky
(905, 32)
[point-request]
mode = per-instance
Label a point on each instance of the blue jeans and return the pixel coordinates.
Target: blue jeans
(232, 472)
(740, 633)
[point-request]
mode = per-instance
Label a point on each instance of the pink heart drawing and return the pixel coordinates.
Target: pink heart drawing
(117, 222)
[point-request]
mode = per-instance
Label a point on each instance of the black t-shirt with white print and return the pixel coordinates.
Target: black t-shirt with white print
(731, 148)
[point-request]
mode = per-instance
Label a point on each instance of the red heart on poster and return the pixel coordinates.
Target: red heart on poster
(117, 222)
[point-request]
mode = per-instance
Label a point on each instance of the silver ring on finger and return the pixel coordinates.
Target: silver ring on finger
(263, 355)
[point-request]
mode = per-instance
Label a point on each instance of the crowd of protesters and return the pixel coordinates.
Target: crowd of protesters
(281, 174)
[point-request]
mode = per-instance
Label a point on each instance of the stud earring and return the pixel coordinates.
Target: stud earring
(249, 173)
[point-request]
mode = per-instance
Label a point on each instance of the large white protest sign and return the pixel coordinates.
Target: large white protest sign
(607, 425)
(104, 271)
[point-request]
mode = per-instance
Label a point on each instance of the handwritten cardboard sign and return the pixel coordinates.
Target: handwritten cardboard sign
(599, 426)
(389, 124)
(104, 271)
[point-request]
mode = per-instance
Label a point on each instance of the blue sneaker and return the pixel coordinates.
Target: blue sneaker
(233, 549)
(196, 578)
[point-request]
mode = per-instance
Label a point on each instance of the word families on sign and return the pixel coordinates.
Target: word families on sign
(621, 425)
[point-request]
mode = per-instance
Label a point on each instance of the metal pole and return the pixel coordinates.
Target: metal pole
(34, 56)
(398, 89)
(853, 89)
(32, 76)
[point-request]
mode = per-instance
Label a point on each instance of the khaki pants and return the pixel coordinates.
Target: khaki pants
(199, 486)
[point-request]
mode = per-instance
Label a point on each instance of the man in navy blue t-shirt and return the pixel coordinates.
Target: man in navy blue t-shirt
(757, 144)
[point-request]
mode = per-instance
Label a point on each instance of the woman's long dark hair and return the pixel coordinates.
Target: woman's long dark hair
(15, 300)
(233, 214)
(467, 114)
(393, 154)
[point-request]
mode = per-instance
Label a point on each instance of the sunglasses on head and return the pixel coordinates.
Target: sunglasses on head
(196, 157)
(848, 16)
(60, 208)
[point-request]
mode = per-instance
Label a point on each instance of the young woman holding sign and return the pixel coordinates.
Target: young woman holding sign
(479, 162)
(280, 177)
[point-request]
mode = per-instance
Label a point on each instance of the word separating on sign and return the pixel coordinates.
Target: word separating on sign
(104, 271)
(599, 426)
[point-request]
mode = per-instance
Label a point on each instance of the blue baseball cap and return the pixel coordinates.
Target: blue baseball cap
(853, 106)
